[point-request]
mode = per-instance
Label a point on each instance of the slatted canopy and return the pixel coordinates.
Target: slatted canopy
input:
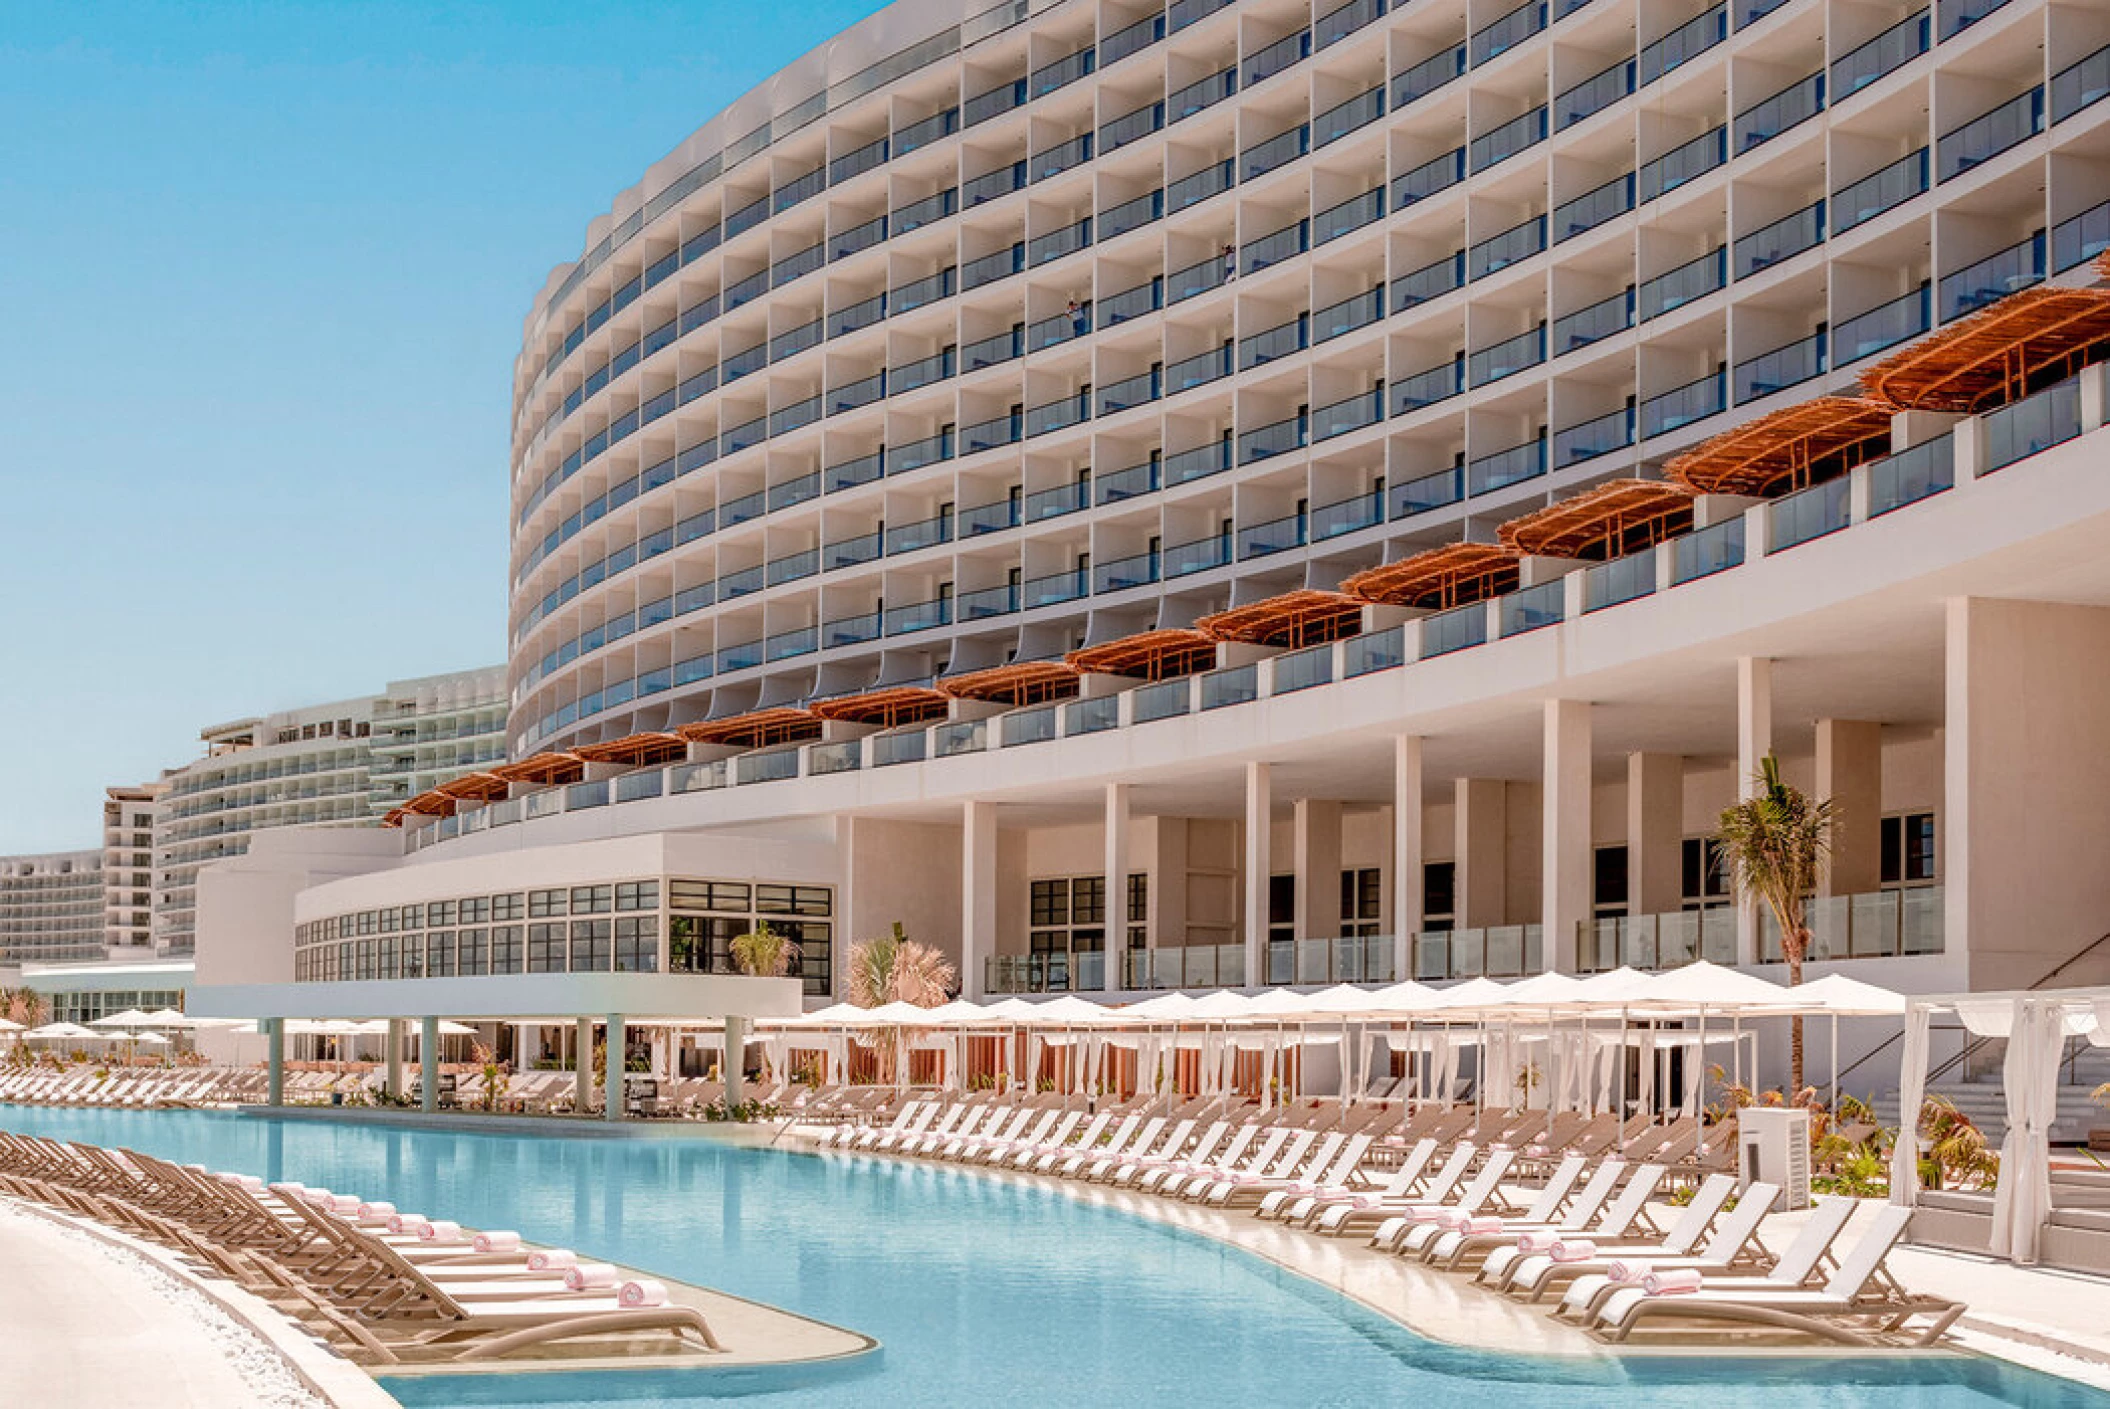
(1450, 576)
(1786, 449)
(637, 750)
(475, 787)
(1149, 655)
(1022, 682)
(1305, 617)
(1999, 354)
(1610, 521)
(430, 803)
(759, 728)
(886, 707)
(543, 768)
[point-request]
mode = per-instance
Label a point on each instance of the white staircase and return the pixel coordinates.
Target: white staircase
(1983, 1098)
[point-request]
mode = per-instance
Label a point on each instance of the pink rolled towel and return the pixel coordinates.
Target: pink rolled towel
(643, 1292)
(1484, 1224)
(249, 1182)
(498, 1240)
(440, 1230)
(1537, 1242)
(1674, 1281)
(344, 1204)
(376, 1210)
(406, 1222)
(319, 1198)
(551, 1259)
(290, 1190)
(1625, 1274)
(1573, 1250)
(590, 1276)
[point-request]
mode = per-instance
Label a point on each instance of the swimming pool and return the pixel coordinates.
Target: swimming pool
(981, 1290)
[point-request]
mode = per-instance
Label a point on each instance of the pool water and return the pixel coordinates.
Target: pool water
(981, 1290)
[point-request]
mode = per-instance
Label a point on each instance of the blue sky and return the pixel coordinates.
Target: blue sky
(264, 268)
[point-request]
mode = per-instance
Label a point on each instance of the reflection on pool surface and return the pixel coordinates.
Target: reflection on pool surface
(980, 1289)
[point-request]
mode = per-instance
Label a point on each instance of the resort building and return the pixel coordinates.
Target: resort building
(51, 908)
(343, 764)
(1223, 495)
(128, 868)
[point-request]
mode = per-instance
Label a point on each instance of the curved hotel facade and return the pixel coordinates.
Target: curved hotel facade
(1227, 494)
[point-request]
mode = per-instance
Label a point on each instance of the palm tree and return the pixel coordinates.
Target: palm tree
(763, 952)
(1774, 846)
(896, 969)
(24, 1006)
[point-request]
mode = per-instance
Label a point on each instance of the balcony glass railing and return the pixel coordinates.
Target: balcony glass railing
(1198, 370)
(908, 746)
(1507, 358)
(1057, 415)
(1621, 580)
(1496, 951)
(2080, 238)
(1058, 500)
(1128, 483)
(1509, 31)
(982, 603)
(2080, 85)
(1893, 48)
(1054, 245)
(1276, 152)
(1682, 164)
(1338, 23)
(1426, 388)
(959, 736)
(1269, 60)
(843, 756)
(1869, 197)
(1373, 651)
(1120, 574)
(1277, 438)
(1884, 326)
(1783, 367)
(1651, 942)
(1681, 406)
(1270, 343)
(1286, 243)
(1166, 699)
(1343, 118)
(1587, 325)
(1131, 126)
(1129, 215)
(1425, 493)
(1601, 435)
(1130, 392)
(919, 213)
(1223, 688)
(1421, 182)
(1768, 118)
(1688, 41)
(1706, 551)
(1809, 514)
(2016, 432)
(1347, 515)
(1185, 966)
(1350, 215)
(1200, 95)
(1427, 76)
(1029, 726)
(1197, 555)
(1054, 588)
(852, 630)
(1348, 414)
(1338, 319)
(1001, 264)
(1185, 466)
(1872, 925)
(1594, 94)
(1909, 476)
(1593, 208)
(1428, 282)
(1273, 536)
(1534, 607)
(1500, 144)
(1504, 468)
(1092, 716)
(1456, 630)
(1676, 287)
(1197, 279)
(1500, 251)
(1989, 134)
(1959, 15)
(1131, 303)
(1994, 277)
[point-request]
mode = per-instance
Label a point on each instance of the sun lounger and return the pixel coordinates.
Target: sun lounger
(1803, 1259)
(1570, 1215)
(1622, 1222)
(1423, 1225)
(1463, 1232)
(1298, 1156)
(1534, 1274)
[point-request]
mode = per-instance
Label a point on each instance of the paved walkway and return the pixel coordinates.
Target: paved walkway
(88, 1326)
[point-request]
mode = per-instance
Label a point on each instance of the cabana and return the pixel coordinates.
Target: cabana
(2026, 1224)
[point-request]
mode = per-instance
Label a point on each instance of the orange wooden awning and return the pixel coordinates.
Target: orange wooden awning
(1022, 682)
(1450, 576)
(1610, 521)
(475, 787)
(430, 803)
(1306, 617)
(780, 724)
(637, 750)
(543, 768)
(2001, 353)
(1786, 449)
(887, 707)
(1150, 655)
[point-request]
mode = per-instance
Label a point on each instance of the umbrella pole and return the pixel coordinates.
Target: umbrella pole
(1835, 1066)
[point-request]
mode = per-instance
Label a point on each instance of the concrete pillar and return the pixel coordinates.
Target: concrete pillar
(274, 1061)
(612, 1077)
(392, 1058)
(1259, 826)
(735, 1065)
(1405, 896)
(582, 1066)
(429, 1063)
(1116, 868)
(2026, 744)
(1316, 823)
(1754, 740)
(1566, 866)
(1655, 833)
(977, 894)
(1850, 773)
(1481, 880)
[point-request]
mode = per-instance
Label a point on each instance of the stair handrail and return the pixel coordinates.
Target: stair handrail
(1971, 1048)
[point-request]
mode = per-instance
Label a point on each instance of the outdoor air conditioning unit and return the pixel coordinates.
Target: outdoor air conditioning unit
(1773, 1144)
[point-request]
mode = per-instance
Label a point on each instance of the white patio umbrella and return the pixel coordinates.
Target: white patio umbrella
(1837, 996)
(173, 1020)
(130, 1017)
(66, 1032)
(7, 1026)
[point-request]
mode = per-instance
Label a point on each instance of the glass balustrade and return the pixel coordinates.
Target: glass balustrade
(1266, 62)
(1197, 279)
(1681, 406)
(1091, 716)
(1593, 208)
(1130, 392)
(1610, 584)
(906, 746)
(1587, 325)
(1348, 414)
(1600, 435)
(1054, 588)
(1127, 216)
(1503, 468)
(1198, 555)
(1884, 326)
(843, 756)
(1706, 551)
(1768, 118)
(1337, 24)
(1276, 438)
(1509, 31)
(985, 602)
(1682, 164)
(852, 630)
(1783, 367)
(1501, 143)
(1343, 118)
(1058, 500)
(1286, 243)
(1201, 95)
(1423, 78)
(1131, 126)
(1989, 134)
(924, 533)
(1166, 699)
(1276, 152)
(1274, 536)
(851, 473)
(1338, 319)
(923, 372)
(1029, 726)
(1677, 287)
(1223, 688)
(1201, 461)
(2027, 427)
(1869, 197)
(2080, 85)
(1428, 282)
(1994, 277)
(1198, 370)
(1120, 574)
(1054, 245)
(1533, 607)
(1128, 483)
(1683, 44)
(1500, 251)
(1350, 215)
(1909, 476)
(1427, 492)
(1893, 48)
(1594, 94)
(1131, 39)
(1959, 15)
(1507, 358)
(1131, 303)
(2080, 238)
(1809, 514)
(919, 213)
(1002, 264)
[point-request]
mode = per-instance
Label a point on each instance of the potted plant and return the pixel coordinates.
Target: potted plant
(763, 953)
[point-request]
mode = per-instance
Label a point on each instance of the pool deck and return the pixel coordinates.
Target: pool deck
(2053, 1321)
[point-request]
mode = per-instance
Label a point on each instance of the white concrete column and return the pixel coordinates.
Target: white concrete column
(274, 1061)
(392, 1058)
(1754, 740)
(1655, 833)
(1116, 867)
(977, 894)
(1481, 852)
(1405, 896)
(1259, 814)
(1565, 862)
(1850, 773)
(582, 1066)
(1316, 823)
(429, 1062)
(735, 1067)
(612, 1076)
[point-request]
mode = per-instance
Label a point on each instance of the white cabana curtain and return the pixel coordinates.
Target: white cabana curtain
(1912, 1094)
(2036, 1038)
